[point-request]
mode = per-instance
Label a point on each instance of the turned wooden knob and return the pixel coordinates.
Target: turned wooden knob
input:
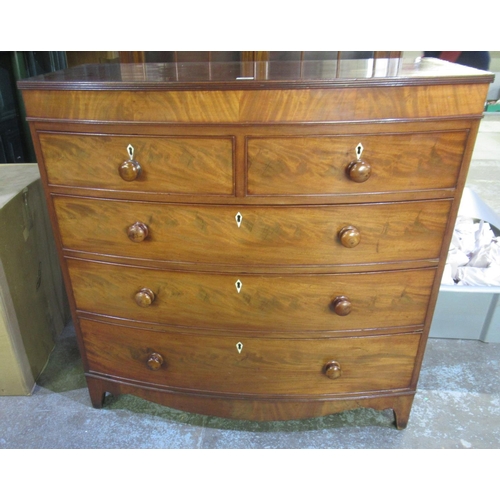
(144, 297)
(154, 361)
(137, 232)
(349, 236)
(359, 171)
(341, 305)
(332, 370)
(129, 170)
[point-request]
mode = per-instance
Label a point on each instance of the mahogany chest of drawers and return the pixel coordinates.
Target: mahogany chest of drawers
(254, 248)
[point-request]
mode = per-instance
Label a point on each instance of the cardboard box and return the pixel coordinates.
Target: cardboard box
(33, 302)
(469, 312)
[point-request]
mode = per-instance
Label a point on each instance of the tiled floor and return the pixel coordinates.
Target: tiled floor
(457, 404)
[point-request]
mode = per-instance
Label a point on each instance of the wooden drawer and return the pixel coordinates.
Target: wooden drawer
(277, 236)
(317, 164)
(170, 164)
(255, 366)
(264, 302)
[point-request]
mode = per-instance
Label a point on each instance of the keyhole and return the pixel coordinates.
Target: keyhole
(238, 285)
(130, 150)
(238, 218)
(359, 150)
(239, 347)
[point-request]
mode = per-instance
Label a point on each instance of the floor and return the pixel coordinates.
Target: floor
(457, 404)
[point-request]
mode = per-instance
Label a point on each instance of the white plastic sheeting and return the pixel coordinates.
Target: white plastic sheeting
(474, 254)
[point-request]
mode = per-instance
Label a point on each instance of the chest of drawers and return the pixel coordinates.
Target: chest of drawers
(250, 248)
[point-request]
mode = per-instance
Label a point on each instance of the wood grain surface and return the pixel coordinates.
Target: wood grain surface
(272, 236)
(260, 408)
(264, 366)
(317, 165)
(259, 106)
(186, 165)
(265, 302)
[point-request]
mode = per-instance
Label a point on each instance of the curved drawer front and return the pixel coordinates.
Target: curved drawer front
(273, 236)
(317, 165)
(242, 365)
(253, 302)
(180, 165)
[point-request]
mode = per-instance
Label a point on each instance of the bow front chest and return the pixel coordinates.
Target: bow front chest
(250, 247)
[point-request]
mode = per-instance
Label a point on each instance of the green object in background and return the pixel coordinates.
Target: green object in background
(493, 108)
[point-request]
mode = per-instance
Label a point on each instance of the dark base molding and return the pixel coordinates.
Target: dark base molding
(252, 409)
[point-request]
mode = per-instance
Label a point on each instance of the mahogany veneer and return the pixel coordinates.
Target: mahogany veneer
(252, 248)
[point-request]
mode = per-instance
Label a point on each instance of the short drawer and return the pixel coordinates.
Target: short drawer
(324, 302)
(318, 164)
(167, 164)
(246, 365)
(247, 235)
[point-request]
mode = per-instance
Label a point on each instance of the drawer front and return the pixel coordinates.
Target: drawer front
(272, 236)
(245, 365)
(317, 165)
(253, 302)
(180, 165)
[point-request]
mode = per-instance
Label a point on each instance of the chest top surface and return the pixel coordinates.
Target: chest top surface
(258, 75)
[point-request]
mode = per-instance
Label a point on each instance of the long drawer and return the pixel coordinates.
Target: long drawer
(324, 302)
(243, 365)
(317, 164)
(180, 165)
(247, 235)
